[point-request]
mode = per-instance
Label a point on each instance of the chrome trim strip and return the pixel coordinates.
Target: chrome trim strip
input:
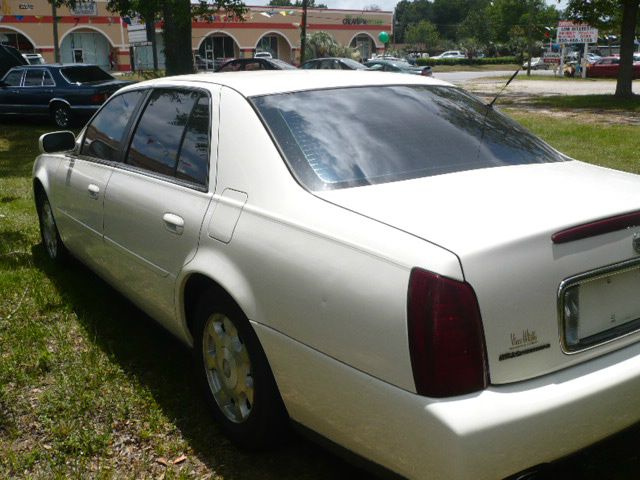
(590, 276)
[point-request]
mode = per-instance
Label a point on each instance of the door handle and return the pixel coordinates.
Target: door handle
(174, 223)
(94, 190)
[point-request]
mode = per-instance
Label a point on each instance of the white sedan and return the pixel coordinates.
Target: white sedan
(383, 260)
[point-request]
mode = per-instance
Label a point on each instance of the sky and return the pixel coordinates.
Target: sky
(387, 5)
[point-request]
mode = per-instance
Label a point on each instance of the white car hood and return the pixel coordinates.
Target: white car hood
(476, 210)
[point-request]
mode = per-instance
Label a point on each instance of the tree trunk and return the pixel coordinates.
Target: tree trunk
(177, 37)
(625, 75)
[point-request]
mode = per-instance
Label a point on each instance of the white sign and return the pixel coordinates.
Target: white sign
(569, 32)
(551, 57)
(88, 8)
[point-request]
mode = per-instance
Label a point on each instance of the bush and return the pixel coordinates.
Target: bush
(466, 61)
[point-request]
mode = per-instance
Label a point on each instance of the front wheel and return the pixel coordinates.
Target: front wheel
(61, 115)
(236, 376)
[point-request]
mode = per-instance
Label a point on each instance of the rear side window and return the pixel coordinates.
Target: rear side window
(172, 136)
(85, 74)
(351, 137)
(105, 133)
(33, 78)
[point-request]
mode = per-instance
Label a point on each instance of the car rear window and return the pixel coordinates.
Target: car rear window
(85, 74)
(348, 137)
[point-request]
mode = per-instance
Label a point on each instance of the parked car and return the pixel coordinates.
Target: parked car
(397, 66)
(9, 57)
(609, 67)
(203, 63)
(62, 92)
(451, 54)
(263, 55)
(34, 58)
(537, 63)
(332, 63)
(256, 63)
(382, 259)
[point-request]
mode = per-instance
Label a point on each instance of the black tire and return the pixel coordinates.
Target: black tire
(254, 417)
(61, 115)
(49, 234)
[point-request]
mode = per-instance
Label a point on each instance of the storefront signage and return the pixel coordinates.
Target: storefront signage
(569, 32)
(349, 20)
(25, 6)
(85, 8)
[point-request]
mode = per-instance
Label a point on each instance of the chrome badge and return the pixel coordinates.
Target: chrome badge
(636, 242)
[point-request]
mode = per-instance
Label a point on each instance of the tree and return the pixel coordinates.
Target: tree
(424, 33)
(606, 14)
(321, 44)
(177, 16)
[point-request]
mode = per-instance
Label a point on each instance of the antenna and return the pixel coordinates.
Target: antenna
(502, 89)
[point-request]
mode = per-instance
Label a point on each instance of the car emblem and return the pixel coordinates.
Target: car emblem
(636, 242)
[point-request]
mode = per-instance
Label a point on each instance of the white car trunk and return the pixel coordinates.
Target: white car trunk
(499, 221)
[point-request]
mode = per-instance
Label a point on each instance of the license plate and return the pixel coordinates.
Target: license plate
(600, 306)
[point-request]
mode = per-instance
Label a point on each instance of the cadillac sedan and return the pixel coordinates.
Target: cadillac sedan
(384, 260)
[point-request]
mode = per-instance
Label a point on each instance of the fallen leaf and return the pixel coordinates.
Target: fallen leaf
(162, 461)
(180, 459)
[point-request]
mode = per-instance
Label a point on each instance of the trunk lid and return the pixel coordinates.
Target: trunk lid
(499, 222)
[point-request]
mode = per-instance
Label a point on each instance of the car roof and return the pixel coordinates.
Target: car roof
(265, 82)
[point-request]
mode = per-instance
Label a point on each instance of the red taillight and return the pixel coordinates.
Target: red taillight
(98, 98)
(599, 227)
(446, 339)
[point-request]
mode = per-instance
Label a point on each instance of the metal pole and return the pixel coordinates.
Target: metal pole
(303, 31)
(56, 48)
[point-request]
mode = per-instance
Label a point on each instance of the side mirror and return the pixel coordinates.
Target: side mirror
(57, 142)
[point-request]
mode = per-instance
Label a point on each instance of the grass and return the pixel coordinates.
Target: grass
(91, 387)
(588, 102)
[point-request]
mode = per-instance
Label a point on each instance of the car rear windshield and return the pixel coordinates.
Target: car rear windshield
(349, 137)
(85, 74)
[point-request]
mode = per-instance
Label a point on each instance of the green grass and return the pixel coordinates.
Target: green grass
(91, 387)
(588, 102)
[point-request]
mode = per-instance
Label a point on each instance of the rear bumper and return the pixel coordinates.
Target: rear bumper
(489, 435)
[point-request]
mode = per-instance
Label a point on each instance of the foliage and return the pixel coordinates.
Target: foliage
(321, 44)
(297, 3)
(423, 33)
(468, 61)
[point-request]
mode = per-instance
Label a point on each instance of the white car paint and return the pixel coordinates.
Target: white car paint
(323, 279)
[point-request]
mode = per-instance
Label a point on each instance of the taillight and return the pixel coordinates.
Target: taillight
(98, 98)
(446, 339)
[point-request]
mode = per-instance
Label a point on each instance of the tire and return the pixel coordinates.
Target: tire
(61, 115)
(235, 375)
(51, 240)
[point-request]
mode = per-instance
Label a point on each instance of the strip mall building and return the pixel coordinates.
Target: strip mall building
(92, 34)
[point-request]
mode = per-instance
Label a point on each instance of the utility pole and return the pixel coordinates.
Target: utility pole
(303, 30)
(529, 41)
(56, 48)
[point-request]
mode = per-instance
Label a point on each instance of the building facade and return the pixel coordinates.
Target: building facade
(92, 34)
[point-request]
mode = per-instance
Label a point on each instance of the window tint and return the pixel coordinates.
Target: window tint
(106, 131)
(33, 78)
(359, 136)
(85, 74)
(168, 120)
(13, 78)
(47, 80)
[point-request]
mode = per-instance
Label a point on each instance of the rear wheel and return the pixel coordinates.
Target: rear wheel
(61, 115)
(49, 231)
(236, 376)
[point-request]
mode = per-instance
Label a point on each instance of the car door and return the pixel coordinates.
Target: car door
(9, 92)
(155, 204)
(81, 179)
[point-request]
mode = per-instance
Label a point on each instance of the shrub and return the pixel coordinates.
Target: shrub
(466, 61)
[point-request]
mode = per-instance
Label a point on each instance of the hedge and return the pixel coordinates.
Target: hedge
(467, 61)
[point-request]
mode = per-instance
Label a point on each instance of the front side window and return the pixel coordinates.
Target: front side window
(105, 133)
(172, 136)
(349, 137)
(12, 79)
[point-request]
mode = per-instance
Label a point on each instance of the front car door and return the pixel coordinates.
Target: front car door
(155, 204)
(10, 91)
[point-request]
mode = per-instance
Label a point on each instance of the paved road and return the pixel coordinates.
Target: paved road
(461, 77)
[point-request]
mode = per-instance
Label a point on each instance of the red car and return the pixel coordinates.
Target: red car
(609, 66)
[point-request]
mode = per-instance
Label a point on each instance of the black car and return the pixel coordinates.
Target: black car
(241, 64)
(398, 66)
(62, 92)
(332, 63)
(10, 57)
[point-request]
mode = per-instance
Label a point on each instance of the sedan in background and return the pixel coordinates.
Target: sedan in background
(383, 259)
(256, 63)
(450, 54)
(537, 63)
(61, 92)
(332, 63)
(398, 66)
(609, 67)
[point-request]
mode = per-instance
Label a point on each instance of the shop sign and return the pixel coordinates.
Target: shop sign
(25, 6)
(351, 20)
(569, 32)
(89, 8)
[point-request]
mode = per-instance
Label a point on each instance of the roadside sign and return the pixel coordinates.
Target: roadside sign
(551, 57)
(569, 32)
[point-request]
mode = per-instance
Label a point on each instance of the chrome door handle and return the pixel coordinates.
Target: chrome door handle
(94, 190)
(174, 223)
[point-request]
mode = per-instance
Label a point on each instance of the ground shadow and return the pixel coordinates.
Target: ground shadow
(164, 366)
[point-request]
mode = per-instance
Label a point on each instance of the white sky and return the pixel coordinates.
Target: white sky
(387, 5)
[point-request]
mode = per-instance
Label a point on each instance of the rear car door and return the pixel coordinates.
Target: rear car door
(155, 204)
(37, 90)
(82, 178)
